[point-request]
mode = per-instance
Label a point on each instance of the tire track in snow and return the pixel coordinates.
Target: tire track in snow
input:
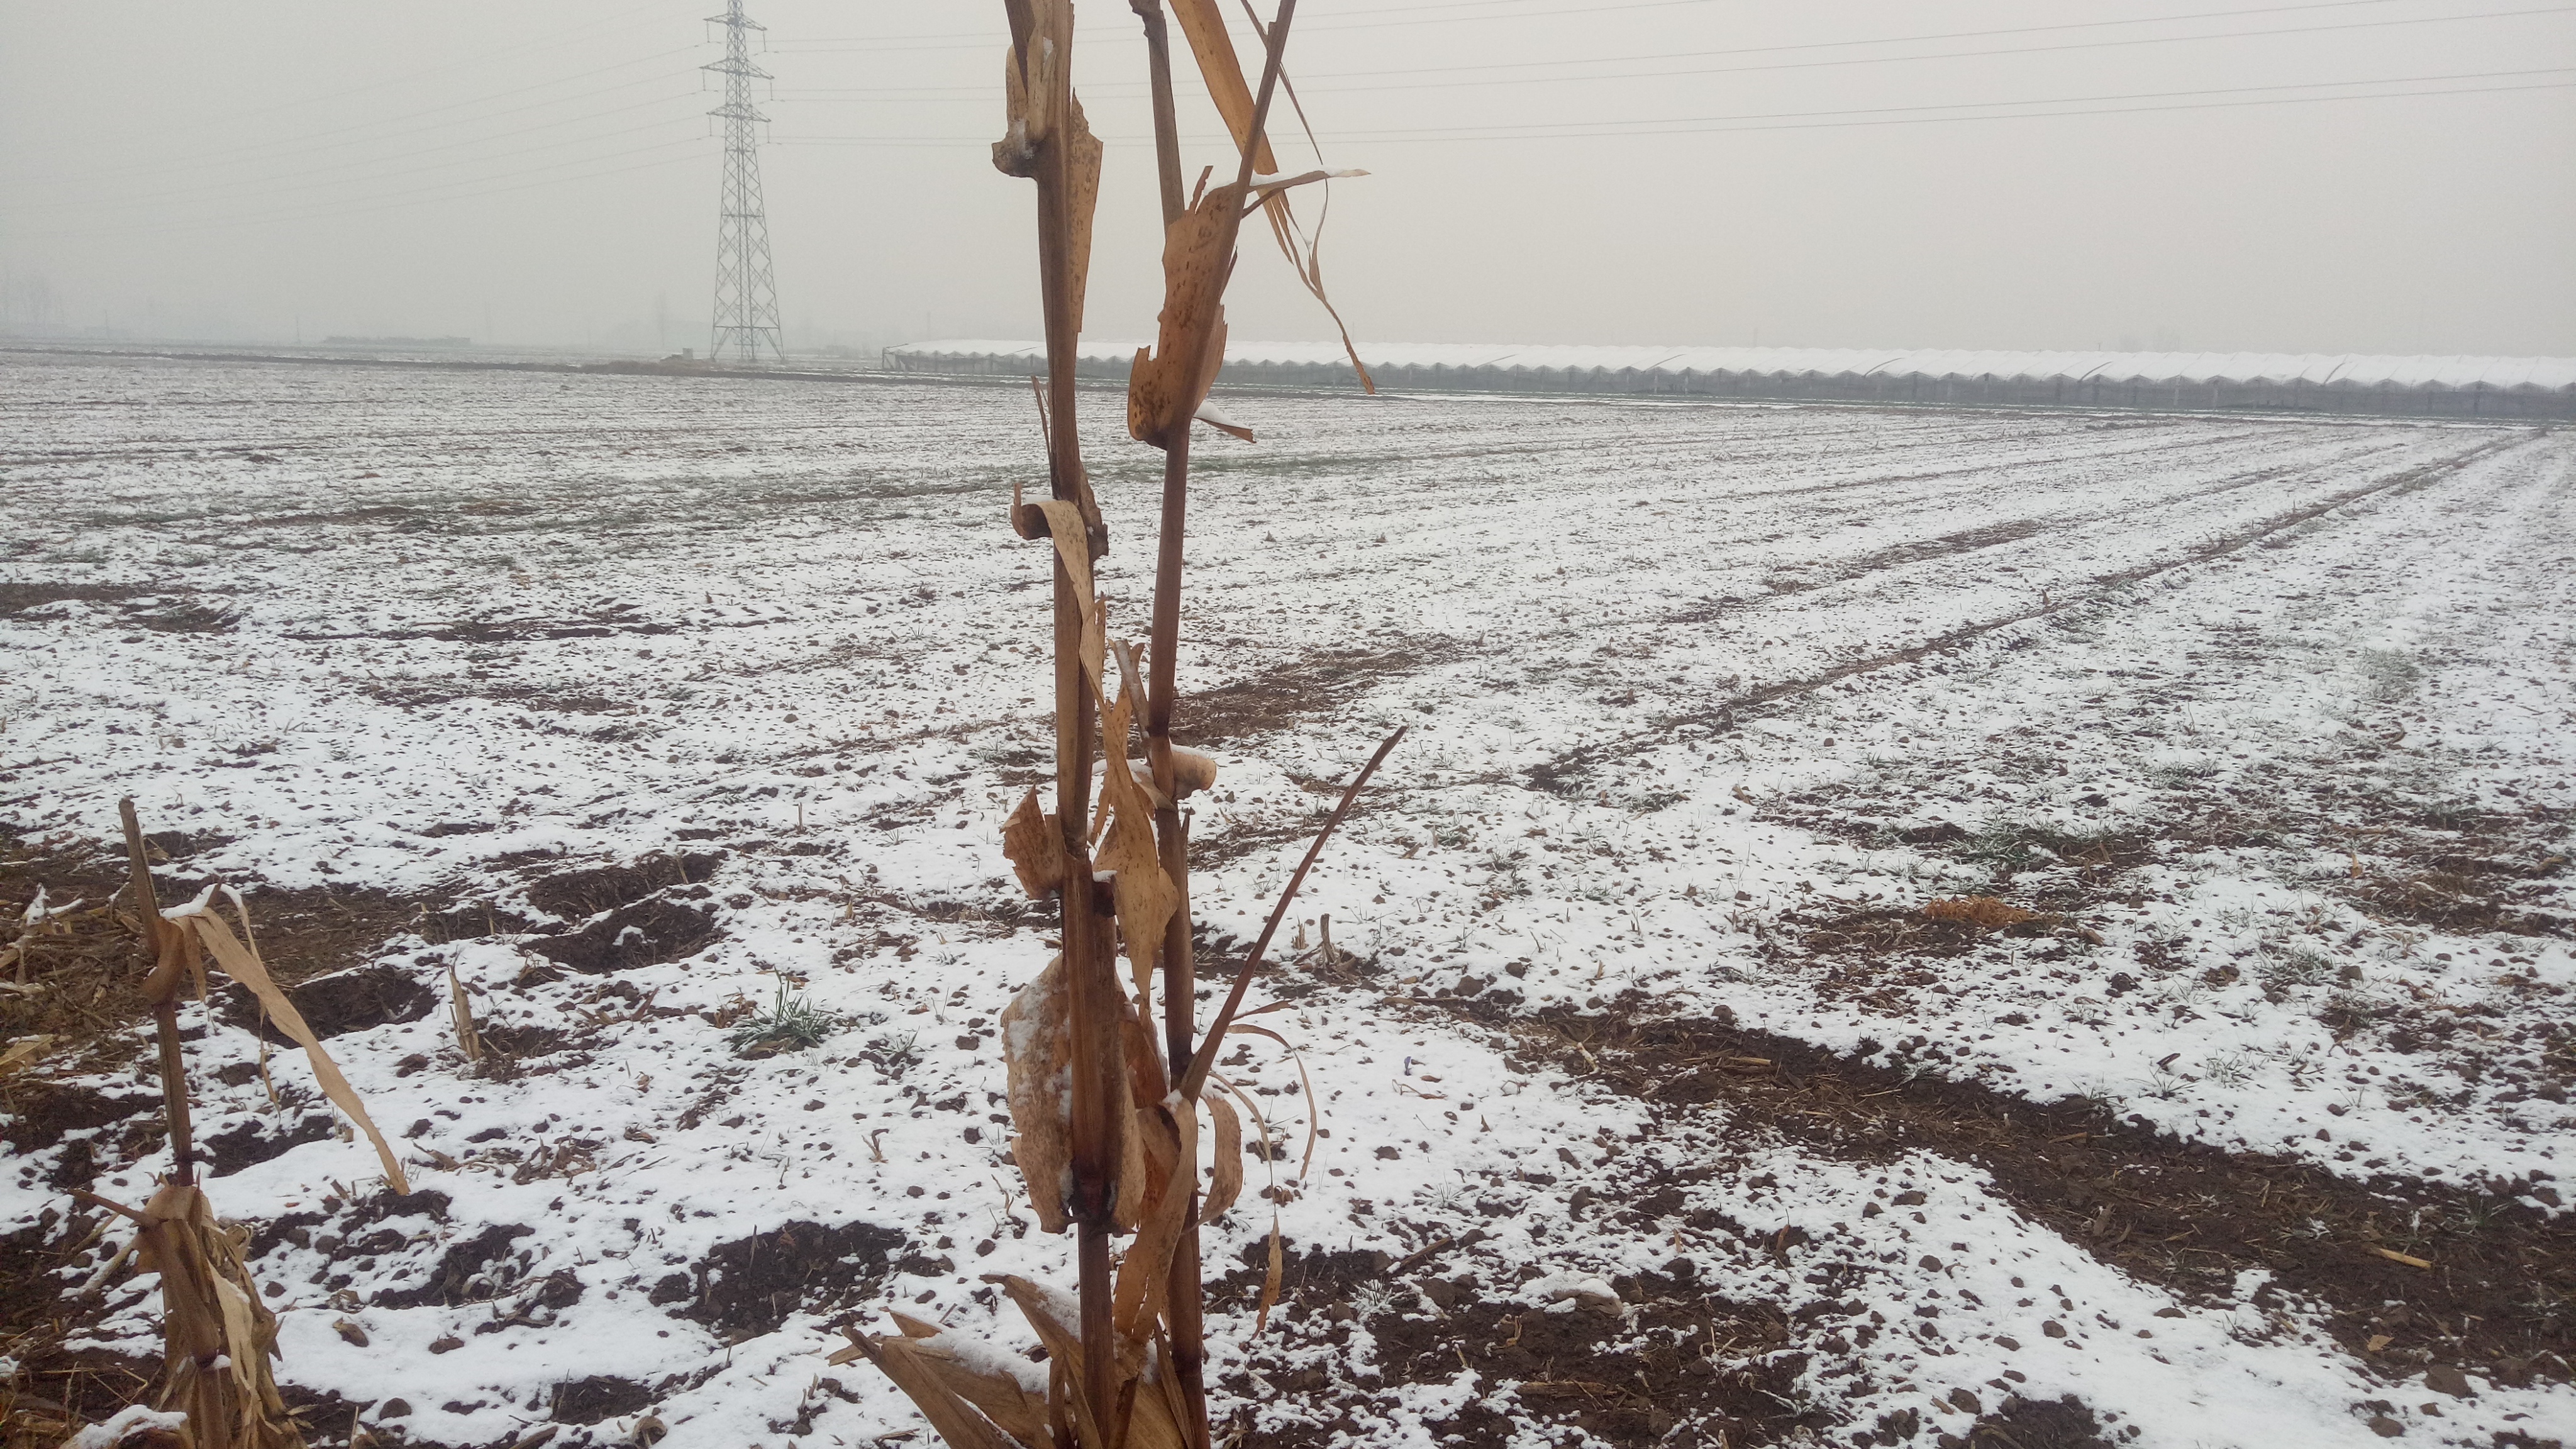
(1563, 767)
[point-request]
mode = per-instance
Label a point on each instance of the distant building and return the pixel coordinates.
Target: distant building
(2443, 387)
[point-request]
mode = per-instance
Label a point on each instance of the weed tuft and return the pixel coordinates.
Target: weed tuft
(894, 1054)
(790, 1024)
(2390, 673)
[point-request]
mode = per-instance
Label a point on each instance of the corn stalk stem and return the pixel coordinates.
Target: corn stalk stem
(1276, 49)
(1098, 1129)
(1189, 1328)
(1180, 1003)
(1167, 125)
(162, 983)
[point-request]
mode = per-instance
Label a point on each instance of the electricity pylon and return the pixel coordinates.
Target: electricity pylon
(746, 312)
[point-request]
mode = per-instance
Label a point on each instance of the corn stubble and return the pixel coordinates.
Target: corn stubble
(217, 1335)
(1106, 1110)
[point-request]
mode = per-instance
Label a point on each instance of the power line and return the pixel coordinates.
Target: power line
(372, 168)
(978, 39)
(410, 197)
(1306, 84)
(2122, 42)
(973, 38)
(200, 159)
(1679, 124)
(515, 47)
(1804, 120)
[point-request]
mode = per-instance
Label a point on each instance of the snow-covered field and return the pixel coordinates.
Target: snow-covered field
(1658, 1109)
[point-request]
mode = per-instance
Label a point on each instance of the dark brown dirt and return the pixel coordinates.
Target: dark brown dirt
(453, 1280)
(578, 895)
(163, 610)
(600, 1396)
(344, 1001)
(45, 1403)
(2186, 1216)
(750, 1285)
(1692, 1363)
(255, 1141)
(2020, 1423)
(2463, 870)
(1317, 684)
(19, 596)
(647, 934)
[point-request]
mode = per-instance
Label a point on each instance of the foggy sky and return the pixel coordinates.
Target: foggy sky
(546, 174)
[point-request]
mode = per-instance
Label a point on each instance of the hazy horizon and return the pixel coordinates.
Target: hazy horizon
(2355, 176)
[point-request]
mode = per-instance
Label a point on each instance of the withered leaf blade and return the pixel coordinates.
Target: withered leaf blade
(1145, 896)
(913, 1371)
(977, 1375)
(1145, 1273)
(1133, 1180)
(1034, 847)
(1215, 417)
(1015, 154)
(1204, 23)
(1270, 1282)
(245, 967)
(1037, 1047)
(1055, 1322)
(1225, 1182)
(218, 1337)
(1082, 169)
(1166, 386)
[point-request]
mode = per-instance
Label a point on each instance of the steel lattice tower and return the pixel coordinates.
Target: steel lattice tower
(746, 312)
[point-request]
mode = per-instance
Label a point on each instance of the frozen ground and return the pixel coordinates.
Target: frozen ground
(1658, 1109)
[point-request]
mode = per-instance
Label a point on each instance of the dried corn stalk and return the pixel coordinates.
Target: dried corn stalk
(217, 1336)
(1105, 1118)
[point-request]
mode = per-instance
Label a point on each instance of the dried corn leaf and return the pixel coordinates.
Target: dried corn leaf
(913, 1371)
(1015, 154)
(1215, 417)
(1055, 1320)
(1312, 1112)
(1073, 545)
(1064, 523)
(1133, 1180)
(1167, 383)
(1268, 186)
(244, 966)
(976, 1373)
(1037, 1046)
(24, 1052)
(1146, 1271)
(217, 1336)
(1152, 1425)
(1082, 172)
(1162, 1149)
(1225, 1178)
(469, 1040)
(1191, 773)
(1145, 896)
(1204, 23)
(1145, 1079)
(1270, 1281)
(1034, 844)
